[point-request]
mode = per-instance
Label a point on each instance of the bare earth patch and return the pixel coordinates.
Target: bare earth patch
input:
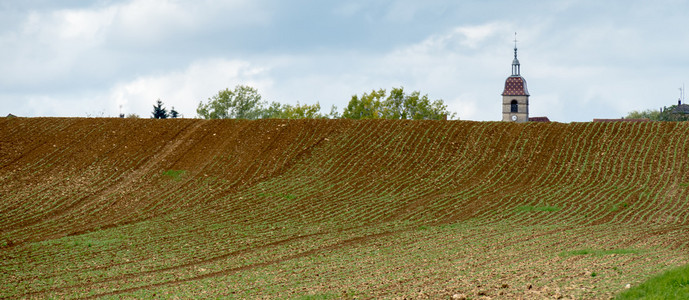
(325, 209)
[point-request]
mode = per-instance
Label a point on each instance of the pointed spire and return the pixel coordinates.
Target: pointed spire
(515, 44)
(515, 63)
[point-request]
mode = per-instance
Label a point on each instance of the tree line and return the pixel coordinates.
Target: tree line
(673, 113)
(244, 102)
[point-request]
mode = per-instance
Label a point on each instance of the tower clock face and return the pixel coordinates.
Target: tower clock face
(514, 118)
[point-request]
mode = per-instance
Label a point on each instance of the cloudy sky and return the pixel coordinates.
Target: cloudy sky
(582, 59)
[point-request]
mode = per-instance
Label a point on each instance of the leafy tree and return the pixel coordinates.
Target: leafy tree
(299, 111)
(369, 106)
(242, 103)
(304, 111)
(273, 111)
(667, 114)
(245, 103)
(334, 114)
(398, 105)
(159, 112)
(651, 114)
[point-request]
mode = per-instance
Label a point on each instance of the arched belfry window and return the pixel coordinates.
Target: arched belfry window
(514, 107)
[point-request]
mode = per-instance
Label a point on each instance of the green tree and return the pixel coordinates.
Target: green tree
(651, 114)
(299, 111)
(398, 105)
(667, 114)
(368, 106)
(304, 111)
(334, 114)
(273, 111)
(245, 103)
(159, 112)
(242, 103)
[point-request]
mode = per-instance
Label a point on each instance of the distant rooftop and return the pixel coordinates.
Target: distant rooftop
(681, 109)
(539, 119)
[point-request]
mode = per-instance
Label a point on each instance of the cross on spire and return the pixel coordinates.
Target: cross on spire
(515, 62)
(515, 41)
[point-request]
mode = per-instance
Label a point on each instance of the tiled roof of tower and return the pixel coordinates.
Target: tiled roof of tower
(515, 86)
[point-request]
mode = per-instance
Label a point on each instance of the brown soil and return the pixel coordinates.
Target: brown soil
(330, 189)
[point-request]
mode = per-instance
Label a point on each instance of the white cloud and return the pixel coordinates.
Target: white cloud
(582, 59)
(473, 36)
(184, 89)
(458, 40)
(348, 8)
(402, 11)
(466, 107)
(144, 21)
(148, 22)
(49, 47)
(465, 66)
(81, 25)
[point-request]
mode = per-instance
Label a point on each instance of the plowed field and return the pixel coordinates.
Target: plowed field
(338, 208)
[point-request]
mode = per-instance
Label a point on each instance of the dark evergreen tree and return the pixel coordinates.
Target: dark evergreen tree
(159, 112)
(173, 113)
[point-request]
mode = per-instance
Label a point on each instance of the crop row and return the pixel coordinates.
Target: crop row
(272, 196)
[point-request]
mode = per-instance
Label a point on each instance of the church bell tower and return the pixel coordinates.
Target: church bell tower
(515, 96)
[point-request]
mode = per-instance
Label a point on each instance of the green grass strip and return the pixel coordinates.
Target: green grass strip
(174, 174)
(598, 252)
(673, 284)
(538, 208)
(320, 297)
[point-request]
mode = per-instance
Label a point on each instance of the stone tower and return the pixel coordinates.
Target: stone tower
(515, 97)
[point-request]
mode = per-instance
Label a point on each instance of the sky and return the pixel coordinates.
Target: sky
(582, 59)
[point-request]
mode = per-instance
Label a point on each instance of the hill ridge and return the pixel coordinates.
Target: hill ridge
(260, 182)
